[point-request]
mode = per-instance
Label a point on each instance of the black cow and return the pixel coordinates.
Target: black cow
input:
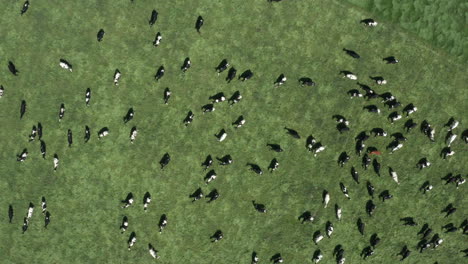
(88, 96)
(100, 35)
(255, 168)
(39, 130)
(10, 213)
(43, 149)
(361, 226)
(275, 147)
(385, 195)
(159, 73)
(355, 175)
(306, 81)
(12, 68)
(370, 208)
(70, 137)
(367, 252)
(261, 208)
(404, 253)
(165, 160)
(342, 127)
(366, 161)
(25, 224)
(370, 189)
(186, 65)
(390, 60)
(199, 23)
(207, 163)
(409, 109)
(247, 75)
(449, 210)
(154, 17)
(47, 219)
(167, 95)
(392, 103)
(231, 74)
(352, 53)
(87, 134)
(410, 124)
(376, 166)
(22, 108)
(378, 132)
(359, 147)
(292, 132)
(372, 109)
(189, 118)
(25, 7)
(61, 111)
(129, 115)
(409, 221)
(213, 196)
(222, 66)
(374, 240)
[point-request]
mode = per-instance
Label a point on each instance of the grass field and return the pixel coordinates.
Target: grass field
(298, 38)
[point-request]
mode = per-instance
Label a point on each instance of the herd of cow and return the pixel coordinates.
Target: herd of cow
(427, 239)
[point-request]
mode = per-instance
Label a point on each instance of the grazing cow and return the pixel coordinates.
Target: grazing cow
(352, 53)
(153, 252)
(317, 257)
(372, 109)
(146, 201)
(275, 147)
(33, 134)
(410, 124)
(376, 166)
(162, 223)
(261, 208)
(39, 130)
(361, 226)
(213, 196)
(231, 74)
(370, 208)
(100, 35)
(394, 146)
(217, 98)
(128, 200)
(342, 127)
(369, 22)
(387, 97)
(235, 98)
(208, 108)
(10, 213)
(385, 195)
(12, 68)
(408, 221)
(306, 217)
(370, 189)
(450, 138)
(117, 76)
(22, 108)
(186, 65)
(409, 109)
(199, 23)
(56, 161)
(43, 149)
(340, 119)
(449, 210)
(25, 7)
(325, 198)
(343, 159)
(378, 132)
(374, 240)
(240, 121)
(124, 225)
(165, 160)
(423, 163)
(354, 93)
(207, 163)
(159, 73)
(306, 81)
(70, 137)
(426, 187)
(46, 219)
(446, 152)
(310, 141)
(221, 135)
(379, 80)
(292, 132)
(189, 118)
(390, 60)
(398, 136)
(393, 103)
(338, 212)
(167, 95)
(367, 252)
(280, 80)
(317, 237)
(452, 124)
(393, 174)
(247, 75)
(344, 190)
(359, 147)
(222, 66)
(274, 164)
(88, 96)
(22, 157)
(197, 195)
(2, 90)
(87, 134)
(131, 240)
(255, 168)
(366, 161)
(210, 176)
(61, 111)
(394, 116)
(30, 210)
(25, 224)
(133, 134)
(317, 148)
(255, 258)
(43, 204)
(355, 175)
(329, 228)
(349, 75)
(129, 115)
(157, 39)
(404, 253)
(226, 160)
(154, 17)
(217, 236)
(65, 65)
(277, 257)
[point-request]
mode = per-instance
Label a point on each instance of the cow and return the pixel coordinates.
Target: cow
(393, 174)
(409, 109)
(410, 124)
(159, 73)
(43, 149)
(153, 252)
(10, 213)
(449, 210)
(43, 204)
(213, 196)
(199, 23)
(157, 39)
(88, 96)
(61, 112)
(310, 141)
(387, 97)
(366, 161)
(378, 132)
(393, 103)
(217, 98)
(349, 75)
(352, 53)
(408, 221)
(423, 163)
(394, 146)
(369, 22)
(39, 130)
(255, 168)
(128, 200)
(280, 80)
(87, 134)
(338, 212)
(154, 17)
(12, 68)
(210, 176)
(129, 115)
(361, 226)
(208, 108)
(186, 65)
(379, 80)
(30, 210)
(2, 90)
(235, 98)
(131, 240)
(374, 240)
(46, 219)
(355, 175)
(56, 161)
(197, 195)
(385, 195)
(133, 134)
(292, 133)
(255, 258)
(167, 95)
(146, 201)
(261, 208)
(404, 253)
(240, 121)
(33, 134)
(22, 157)
(450, 138)
(354, 93)
(117, 75)
(359, 147)
(426, 187)
(376, 166)
(165, 160)
(222, 66)
(231, 74)
(25, 224)
(362, 136)
(452, 124)
(124, 225)
(306, 217)
(464, 136)
(24, 8)
(398, 136)
(225, 160)
(394, 116)
(370, 208)
(306, 81)
(329, 228)
(221, 136)
(317, 257)
(343, 159)
(100, 35)
(372, 109)
(162, 223)
(390, 60)
(446, 152)
(317, 148)
(64, 64)
(217, 236)
(274, 164)
(189, 118)
(367, 252)
(342, 127)
(370, 189)
(317, 236)
(340, 119)
(247, 75)
(275, 147)
(70, 137)
(325, 198)
(344, 190)
(276, 259)
(207, 163)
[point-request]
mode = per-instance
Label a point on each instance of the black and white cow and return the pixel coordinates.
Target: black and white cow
(159, 73)
(423, 163)
(88, 96)
(370, 189)
(70, 137)
(225, 160)
(217, 236)
(157, 39)
(43, 204)
(372, 109)
(133, 134)
(117, 75)
(146, 201)
(64, 64)
(255, 258)
(261, 208)
(189, 118)
(25, 224)
(199, 23)
(218, 98)
(33, 134)
(207, 163)
(370, 208)
(247, 75)
(129, 115)
(393, 103)
(369, 22)
(210, 176)
(338, 212)
(385, 195)
(100, 35)
(197, 195)
(393, 174)
(240, 121)
(310, 141)
(231, 74)
(344, 190)
(277, 257)
(378, 132)
(275, 147)
(379, 80)
(221, 135)
(394, 146)
(318, 256)
(43, 149)
(25, 7)
(165, 160)
(213, 196)
(354, 93)
(446, 152)
(274, 164)
(22, 157)
(349, 75)
(124, 225)
(131, 240)
(280, 80)
(61, 111)
(452, 124)
(167, 95)
(317, 148)
(222, 66)
(153, 252)
(355, 175)
(56, 161)
(409, 109)
(128, 200)
(30, 210)
(2, 90)
(306, 217)
(186, 65)
(235, 98)
(390, 60)
(343, 158)
(450, 138)
(87, 134)
(46, 219)
(329, 229)
(325, 198)
(306, 81)
(352, 53)
(154, 17)
(255, 168)
(208, 108)
(317, 237)
(162, 223)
